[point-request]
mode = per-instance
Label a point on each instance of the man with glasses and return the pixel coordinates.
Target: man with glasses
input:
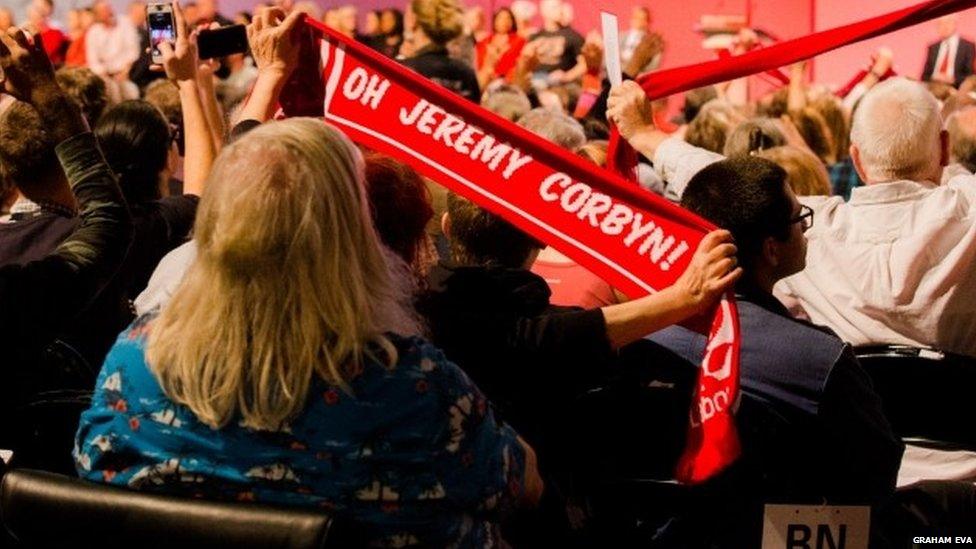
(811, 426)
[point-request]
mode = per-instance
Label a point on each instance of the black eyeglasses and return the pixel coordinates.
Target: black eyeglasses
(805, 218)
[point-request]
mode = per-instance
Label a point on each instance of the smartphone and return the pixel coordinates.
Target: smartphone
(162, 28)
(222, 42)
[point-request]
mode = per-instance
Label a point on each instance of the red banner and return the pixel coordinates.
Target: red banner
(636, 241)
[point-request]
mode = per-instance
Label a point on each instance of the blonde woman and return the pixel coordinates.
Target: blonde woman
(285, 369)
(431, 24)
(805, 172)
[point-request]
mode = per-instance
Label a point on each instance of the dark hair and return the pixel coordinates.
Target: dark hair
(745, 195)
(479, 237)
(86, 89)
(135, 138)
(400, 204)
(695, 99)
(398, 21)
(26, 148)
(752, 136)
(510, 13)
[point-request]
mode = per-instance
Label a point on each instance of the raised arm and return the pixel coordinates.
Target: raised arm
(274, 42)
(181, 63)
(674, 160)
(712, 271)
(49, 292)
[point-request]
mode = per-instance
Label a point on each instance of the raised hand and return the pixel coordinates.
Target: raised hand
(274, 40)
(629, 109)
(180, 59)
(26, 69)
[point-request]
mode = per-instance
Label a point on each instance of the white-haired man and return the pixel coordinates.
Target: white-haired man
(895, 264)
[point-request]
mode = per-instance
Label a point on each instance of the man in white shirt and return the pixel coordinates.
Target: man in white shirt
(896, 264)
(111, 47)
(949, 60)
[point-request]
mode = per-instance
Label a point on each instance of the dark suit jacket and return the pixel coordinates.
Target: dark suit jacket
(965, 57)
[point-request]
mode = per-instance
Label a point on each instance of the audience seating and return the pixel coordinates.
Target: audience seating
(41, 509)
(927, 394)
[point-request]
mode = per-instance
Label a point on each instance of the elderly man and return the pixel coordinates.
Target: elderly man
(895, 264)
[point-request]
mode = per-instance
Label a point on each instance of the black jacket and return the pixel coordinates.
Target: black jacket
(965, 58)
(434, 63)
(530, 358)
(811, 425)
(40, 298)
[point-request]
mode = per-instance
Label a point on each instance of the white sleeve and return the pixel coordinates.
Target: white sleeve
(677, 162)
(166, 279)
(94, 43)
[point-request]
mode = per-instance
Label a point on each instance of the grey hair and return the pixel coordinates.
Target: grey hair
(557, 127)
(752, 136)
(896, 130)
(508, 102)
(962, 137)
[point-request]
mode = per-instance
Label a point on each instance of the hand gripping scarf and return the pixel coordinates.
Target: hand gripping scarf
(636, 241)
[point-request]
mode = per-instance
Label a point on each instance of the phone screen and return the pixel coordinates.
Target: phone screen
(161, 29)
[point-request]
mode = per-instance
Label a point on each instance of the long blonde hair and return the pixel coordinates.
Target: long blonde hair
(290, 281)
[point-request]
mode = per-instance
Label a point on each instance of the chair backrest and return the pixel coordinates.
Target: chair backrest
(41, 509)
(926, 394)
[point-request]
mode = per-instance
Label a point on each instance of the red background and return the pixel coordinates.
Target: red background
(675, 20)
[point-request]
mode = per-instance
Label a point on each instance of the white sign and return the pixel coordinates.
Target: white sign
(611, 47)
(816, 527)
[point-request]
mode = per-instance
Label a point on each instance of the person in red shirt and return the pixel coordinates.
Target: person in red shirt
(78, 22)
(497, 54)
(39, 22)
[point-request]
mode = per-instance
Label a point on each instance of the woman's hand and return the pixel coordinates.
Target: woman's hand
(26, 70)
(274, 40)
(712, 271)
(180, 59)
(629, 109)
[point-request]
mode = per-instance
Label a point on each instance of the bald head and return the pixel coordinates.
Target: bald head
(897, 134)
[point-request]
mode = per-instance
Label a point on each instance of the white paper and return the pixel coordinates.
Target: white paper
(611, 47)
(786, 526)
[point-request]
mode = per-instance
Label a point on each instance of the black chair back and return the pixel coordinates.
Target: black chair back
(926, 394)
(41, 509)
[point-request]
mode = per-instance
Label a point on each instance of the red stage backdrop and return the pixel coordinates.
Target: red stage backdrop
(676, 18)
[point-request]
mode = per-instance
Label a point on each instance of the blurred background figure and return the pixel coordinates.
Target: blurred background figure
(39, 22)
(949, 60)
(525, 11)
(6, 19)
(640, 26)
(498, 53)
(111, 48)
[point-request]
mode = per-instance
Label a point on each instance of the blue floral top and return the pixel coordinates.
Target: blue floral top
(413, 455)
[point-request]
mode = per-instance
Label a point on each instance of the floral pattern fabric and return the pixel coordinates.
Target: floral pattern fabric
(411, 455)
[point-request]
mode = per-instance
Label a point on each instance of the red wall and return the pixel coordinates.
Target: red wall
(676, 18)
(908, 44)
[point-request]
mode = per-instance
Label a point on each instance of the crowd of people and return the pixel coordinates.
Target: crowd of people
(260, 310)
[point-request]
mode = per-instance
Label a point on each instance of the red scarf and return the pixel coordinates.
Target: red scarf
(636, 241)
(669, 82)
